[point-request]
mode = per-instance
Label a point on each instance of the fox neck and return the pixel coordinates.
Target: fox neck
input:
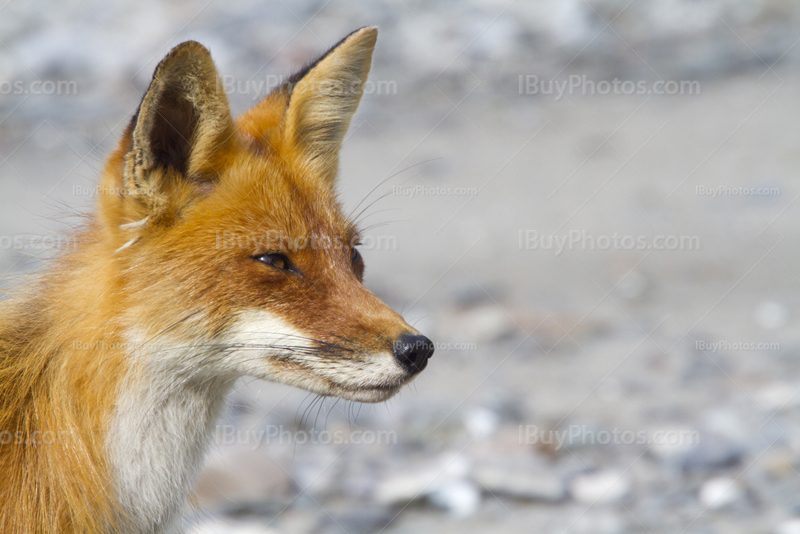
(161, 431)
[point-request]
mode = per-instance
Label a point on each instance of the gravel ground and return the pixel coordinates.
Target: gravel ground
(610, 278)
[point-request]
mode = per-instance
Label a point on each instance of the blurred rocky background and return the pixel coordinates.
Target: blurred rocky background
(590, 205)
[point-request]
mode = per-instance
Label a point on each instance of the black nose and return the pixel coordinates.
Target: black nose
(412, 352)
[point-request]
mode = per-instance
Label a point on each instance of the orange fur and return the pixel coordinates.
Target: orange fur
(60, 370)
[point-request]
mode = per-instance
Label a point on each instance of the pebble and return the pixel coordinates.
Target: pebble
(521, 482)
(792, 526)
(720, 492)
(686, 449)
(602, 487)
(229, 526)
(357, 519)
(242, 476)
(727, 424)
(459, 497)
(605, 522)
(778, 463)
(672, 451)
(771, 315)
(481, 422)
(778, 397)
(673, 443)
(479, 324)
(402, 488)
(446, 483)
(633, 286)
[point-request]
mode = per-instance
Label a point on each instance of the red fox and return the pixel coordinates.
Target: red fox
(115, 365)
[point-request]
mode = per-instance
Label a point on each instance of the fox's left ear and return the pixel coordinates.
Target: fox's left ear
(324, 96)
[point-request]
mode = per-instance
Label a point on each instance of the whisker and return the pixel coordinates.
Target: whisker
(379, 184)
(385, 223)
(357, 218)
(319, 411)
(331, 410)
(418, 319)
(377, 212)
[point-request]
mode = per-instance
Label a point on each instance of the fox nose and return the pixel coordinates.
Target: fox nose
(412, 352)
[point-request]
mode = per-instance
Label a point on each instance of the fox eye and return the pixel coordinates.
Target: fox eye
(277, 260)
(358, 264)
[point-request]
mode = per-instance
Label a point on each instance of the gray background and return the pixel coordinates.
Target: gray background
(599, 389)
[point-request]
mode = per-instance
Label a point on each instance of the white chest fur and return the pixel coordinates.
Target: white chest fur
(157, 442)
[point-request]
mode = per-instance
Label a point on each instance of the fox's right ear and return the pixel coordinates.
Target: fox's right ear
(180, 133)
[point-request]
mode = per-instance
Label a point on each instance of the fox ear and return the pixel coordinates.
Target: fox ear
(324, 96)
(180, 131)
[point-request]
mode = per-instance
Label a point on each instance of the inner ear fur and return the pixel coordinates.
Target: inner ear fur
(305, 119)
(182, 131)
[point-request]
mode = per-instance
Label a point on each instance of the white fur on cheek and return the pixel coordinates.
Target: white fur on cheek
(259, 335)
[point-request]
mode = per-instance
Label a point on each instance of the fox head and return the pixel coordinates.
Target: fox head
(234, 255)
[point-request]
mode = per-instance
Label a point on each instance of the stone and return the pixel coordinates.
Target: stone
(779, 396)
(242, 476)
(458, 496)
(792, 526)
(720, 492)
(602, 487)
(445, 484)
(686, 449)
(771, 315)
(229, 526)
(481, 422)
(404, 488)
(355, 520)
(479, 324)
(605, 522)
(521, 481)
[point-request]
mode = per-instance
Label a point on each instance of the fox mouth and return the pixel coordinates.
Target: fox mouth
(371, 394)
(372, 380)
(360, 391)
(371, 383)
